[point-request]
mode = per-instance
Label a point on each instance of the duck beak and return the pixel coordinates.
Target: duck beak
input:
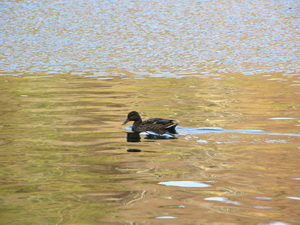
(126, 121)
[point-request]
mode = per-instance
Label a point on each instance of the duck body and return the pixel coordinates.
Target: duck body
(157, 125)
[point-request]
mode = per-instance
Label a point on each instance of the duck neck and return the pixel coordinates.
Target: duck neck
(136, 124)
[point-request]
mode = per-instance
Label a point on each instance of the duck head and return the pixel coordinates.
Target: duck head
(132, 116)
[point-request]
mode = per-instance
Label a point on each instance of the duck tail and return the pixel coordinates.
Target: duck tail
(172, 129)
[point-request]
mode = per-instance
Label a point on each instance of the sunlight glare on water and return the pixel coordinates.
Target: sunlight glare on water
(150, 36)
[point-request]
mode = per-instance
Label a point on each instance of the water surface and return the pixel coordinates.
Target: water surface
(66, 160)
(228, 72)
(150, 36)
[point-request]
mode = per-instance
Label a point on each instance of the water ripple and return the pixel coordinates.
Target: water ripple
(187, 36)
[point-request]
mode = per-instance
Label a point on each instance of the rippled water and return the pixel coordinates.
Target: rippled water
(65, 158)
(152, 36)
(228, 72)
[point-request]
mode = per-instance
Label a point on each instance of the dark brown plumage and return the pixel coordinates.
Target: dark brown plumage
(156, 125)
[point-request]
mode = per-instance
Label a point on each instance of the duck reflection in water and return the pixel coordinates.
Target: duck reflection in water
(155, 128)
(136, 137)
(133, 137)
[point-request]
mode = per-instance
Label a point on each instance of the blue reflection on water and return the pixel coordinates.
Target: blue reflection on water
(274, 223)
(222, 199)
(294, 198)
(185, 184)
(165, 217)
(204, 130)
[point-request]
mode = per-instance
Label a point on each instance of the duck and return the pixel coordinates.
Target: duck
(157, 125)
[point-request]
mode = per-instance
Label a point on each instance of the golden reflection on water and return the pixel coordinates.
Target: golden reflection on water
(65, 157)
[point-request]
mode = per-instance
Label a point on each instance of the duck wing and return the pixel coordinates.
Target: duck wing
(158, 121)
(158, 125)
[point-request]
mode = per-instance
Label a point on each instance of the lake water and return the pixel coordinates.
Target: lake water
(226, 71)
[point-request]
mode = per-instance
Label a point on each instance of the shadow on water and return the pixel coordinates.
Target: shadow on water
(133, 137)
